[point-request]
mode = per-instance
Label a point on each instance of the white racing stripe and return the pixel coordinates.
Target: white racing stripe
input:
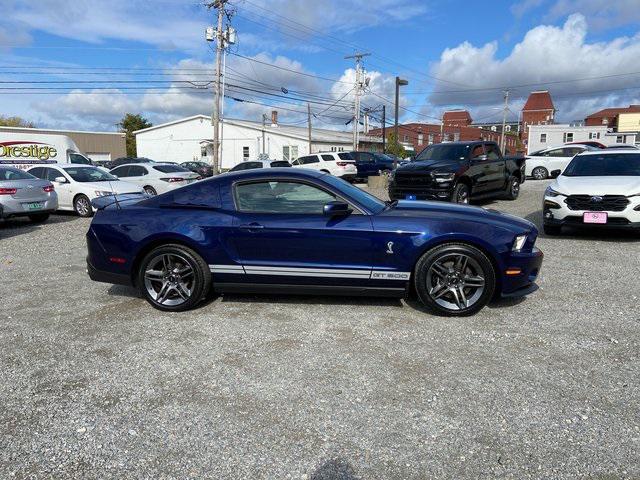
(311, 272)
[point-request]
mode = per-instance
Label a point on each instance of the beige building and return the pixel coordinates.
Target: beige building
(629, 122)
(98, 146)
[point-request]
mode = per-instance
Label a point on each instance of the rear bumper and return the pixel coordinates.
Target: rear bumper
(107, 277)
(523, 283)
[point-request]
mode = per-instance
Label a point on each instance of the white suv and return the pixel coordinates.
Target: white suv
(597, 189)
(338, 164)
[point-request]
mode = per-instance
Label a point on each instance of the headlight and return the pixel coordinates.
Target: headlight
(550, 192)
(518, 243)
(102, 193)
(444, 177)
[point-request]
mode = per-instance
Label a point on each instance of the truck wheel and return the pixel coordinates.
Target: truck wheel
(513, 188)
(460, 194)
(454, 279)
(540, 173)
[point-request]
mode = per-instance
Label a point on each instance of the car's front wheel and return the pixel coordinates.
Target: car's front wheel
(540, 173)
(173, 278)
(454, 279)
(82, 206)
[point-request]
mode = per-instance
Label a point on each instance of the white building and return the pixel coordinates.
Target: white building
(546, 136)
(191, 138)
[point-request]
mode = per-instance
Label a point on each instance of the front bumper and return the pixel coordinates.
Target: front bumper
(555, 212)
(397, 192)
(528, 265)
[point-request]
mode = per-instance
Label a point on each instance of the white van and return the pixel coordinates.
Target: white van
(23, 150)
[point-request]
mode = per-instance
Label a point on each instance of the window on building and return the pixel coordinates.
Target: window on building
(430, 138)
(420, 139)
(567, 137)
(245, 153)
(494, 128)
(289, 152)
(619, 139)
(405, 138)
(507, 128)
(543, 138)
(203, 151)
(594, 135)
(456, 137)
(605, 121)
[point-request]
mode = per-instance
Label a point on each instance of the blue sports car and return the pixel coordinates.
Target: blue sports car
(305, 232)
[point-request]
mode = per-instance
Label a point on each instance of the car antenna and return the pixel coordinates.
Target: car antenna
(115, 194)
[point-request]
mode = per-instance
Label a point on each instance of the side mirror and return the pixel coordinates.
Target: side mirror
(481, 158)
(555, 173)
(60, 180)
(336, 209)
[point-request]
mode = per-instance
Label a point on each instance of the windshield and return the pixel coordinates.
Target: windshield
(89, 174)
(443, 151)
(170, 169)
(14, 174)
(365, 199)
(623, 164)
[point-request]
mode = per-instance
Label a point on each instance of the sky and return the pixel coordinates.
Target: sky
(84, 64)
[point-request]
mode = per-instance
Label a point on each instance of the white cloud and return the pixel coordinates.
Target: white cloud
(600, 14)
(547, 55)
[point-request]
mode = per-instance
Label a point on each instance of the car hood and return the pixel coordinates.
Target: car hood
(628, 185)
(430, 165)
(413, 208)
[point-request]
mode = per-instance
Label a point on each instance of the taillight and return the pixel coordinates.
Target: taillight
(172, 179)
(48, 188)
(342, 164)
(8, 191)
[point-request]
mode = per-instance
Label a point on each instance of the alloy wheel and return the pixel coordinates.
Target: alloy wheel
(455, 281)
(83, 207)
(515, 188)
(169, 279)
(539, 173)
(463, 196)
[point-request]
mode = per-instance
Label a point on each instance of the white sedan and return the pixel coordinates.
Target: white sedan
(77, 185)
(598, 189)
(541, 163)
(156, 178)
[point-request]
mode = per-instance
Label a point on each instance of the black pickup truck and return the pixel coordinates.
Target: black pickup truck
(458, 172)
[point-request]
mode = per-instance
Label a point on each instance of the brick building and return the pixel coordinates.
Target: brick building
(456, 118)
(538, 110)
(609, 117)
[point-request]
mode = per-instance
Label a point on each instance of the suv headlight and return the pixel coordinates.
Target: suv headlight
(444, 177)
(550, 192)
(518, 243)
(102, 193)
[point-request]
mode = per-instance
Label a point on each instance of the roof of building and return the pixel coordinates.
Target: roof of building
(456, 116)
(318, 135)
(60, 132)
(612, 112)
(540, 100)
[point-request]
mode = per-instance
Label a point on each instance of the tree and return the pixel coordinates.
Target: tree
(129, 124)
(394, 148)
(15, 122)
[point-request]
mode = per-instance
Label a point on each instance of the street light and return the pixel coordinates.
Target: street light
(399, 82)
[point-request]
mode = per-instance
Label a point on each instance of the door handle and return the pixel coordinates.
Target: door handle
(251, 226)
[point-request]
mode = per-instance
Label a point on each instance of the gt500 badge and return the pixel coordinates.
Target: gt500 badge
(390, 275)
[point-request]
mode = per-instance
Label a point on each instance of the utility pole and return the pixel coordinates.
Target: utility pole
(504, 119)
(309, 125)
(399, 82)
(220, 45)
(360, 82)
(264, 127)
(384, 129)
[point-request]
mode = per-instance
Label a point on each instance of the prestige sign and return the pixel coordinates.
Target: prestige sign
(39, 150)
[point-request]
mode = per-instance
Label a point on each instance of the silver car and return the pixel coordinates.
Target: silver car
(23, 195)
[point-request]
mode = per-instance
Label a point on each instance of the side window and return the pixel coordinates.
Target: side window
(492, 152)
(296, 162)
(328, 158)
(121, 172)
(281, 197)
(37, 172)
(366, 157)
(137, 171)
(311, 159)
(81, 159)
(52, 174)
(558, 152)
(477, 151)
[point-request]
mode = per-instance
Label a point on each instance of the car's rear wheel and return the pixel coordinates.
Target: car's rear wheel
(454, 279)
(513, 188)
(460, 194)
(82, 206)
(39, 217)
(540, 173)
(149, 190)
(173, 278)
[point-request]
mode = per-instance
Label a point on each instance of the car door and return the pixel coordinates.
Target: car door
(496, 180)
(312, 162)
(139, 175)
(557, 159)
(479, 169)
(64, 190)
(282, 236)
(366, 164)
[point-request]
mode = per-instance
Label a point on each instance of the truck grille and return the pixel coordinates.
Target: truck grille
(413, 180)
(604, 203)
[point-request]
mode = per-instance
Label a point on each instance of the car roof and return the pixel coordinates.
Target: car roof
(615, 151)
(257, 173)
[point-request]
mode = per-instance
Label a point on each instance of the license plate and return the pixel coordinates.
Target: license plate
(595, 217)
(33, 206)
(410, 197)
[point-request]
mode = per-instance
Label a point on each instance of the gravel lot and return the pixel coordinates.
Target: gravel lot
(94, 383)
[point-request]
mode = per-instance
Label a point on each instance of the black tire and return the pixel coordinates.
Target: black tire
(39, 217)
(552, 229)
(513, 188)
(82, 206)
(461, 194)
(455, 289)
(149, 190)
(186, 278)
(540, 173)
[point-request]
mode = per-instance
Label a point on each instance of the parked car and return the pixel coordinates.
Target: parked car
(372, 164)
(155, 177)
(458, 172)
(23, 195)
(300, 231)
(598, 189)
(622, 146)
(201, 168)
(125, 160)
(329, 162)
(77, 185)
(590, 143)
(251, 164)
(540, 163)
